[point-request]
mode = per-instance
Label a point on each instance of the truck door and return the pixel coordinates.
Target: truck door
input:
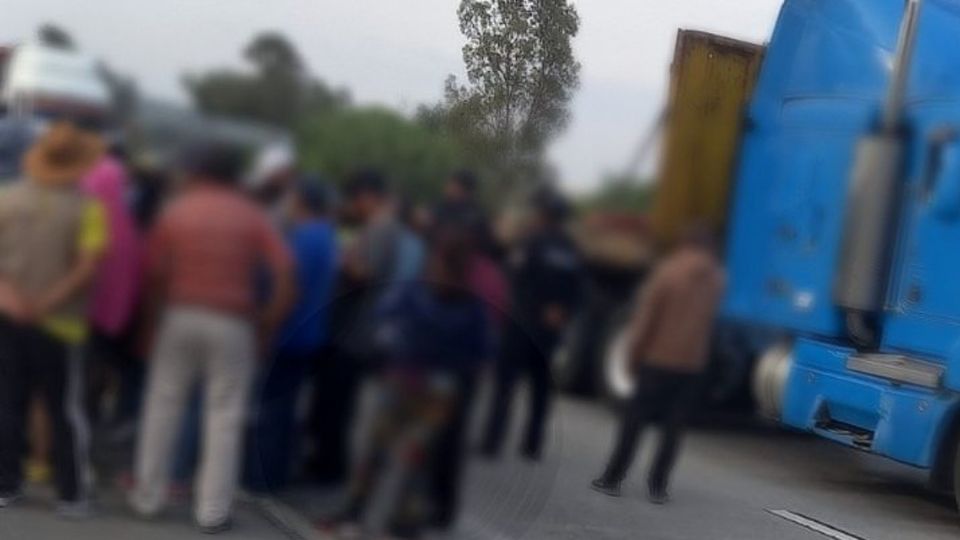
(923, 306)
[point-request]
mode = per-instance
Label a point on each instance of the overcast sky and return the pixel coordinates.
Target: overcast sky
(399, 52)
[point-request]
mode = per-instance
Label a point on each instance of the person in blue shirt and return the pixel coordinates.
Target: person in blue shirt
(300, 341)
(312, 238)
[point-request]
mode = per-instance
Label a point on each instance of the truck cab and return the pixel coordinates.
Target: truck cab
(39, 84)
(845, 225)
(42, 81)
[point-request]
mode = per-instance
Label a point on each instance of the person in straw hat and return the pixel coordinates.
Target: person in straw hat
(51, 240)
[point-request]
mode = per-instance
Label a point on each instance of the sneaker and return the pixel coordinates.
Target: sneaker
(217, 528)
(607, 487)
(75, 510)
(658, 495)
(9, 498)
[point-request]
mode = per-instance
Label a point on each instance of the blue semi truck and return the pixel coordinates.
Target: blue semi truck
(844, 229)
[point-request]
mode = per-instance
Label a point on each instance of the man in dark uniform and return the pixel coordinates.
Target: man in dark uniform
(545, 280)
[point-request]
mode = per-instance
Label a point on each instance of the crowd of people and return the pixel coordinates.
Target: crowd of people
(222, 321)
(227, 317)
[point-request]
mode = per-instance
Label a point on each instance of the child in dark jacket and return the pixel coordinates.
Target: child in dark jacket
(433, 331)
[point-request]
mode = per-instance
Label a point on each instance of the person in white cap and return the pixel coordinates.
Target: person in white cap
(272, 177)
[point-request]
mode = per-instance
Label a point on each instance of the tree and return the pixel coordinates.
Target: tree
(54, 36)
(415, 157)
(278, 92)
(521, 75)
(272, 54)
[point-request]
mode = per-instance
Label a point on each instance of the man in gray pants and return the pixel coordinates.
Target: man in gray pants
(204, 255)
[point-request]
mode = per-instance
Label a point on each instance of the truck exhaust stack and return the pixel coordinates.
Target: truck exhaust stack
(875, 184)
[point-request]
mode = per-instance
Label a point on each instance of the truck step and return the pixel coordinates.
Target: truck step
(898, 368)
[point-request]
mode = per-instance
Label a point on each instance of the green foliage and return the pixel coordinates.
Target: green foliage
(619, 194)
(278, 92)
(521, 75)
(416, 158)
(332, 137)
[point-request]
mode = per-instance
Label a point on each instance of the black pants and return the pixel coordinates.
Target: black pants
(272, 439)
(337, 383)
(523, 354)
(31, 361)
(661, 396)
(448, 465)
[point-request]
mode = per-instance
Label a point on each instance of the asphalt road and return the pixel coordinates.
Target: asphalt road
(730, 483)
(33, 519)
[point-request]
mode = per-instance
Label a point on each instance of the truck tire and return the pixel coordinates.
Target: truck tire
(770, 378)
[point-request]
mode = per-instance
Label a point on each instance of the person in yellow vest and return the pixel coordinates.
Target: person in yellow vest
(51, 241)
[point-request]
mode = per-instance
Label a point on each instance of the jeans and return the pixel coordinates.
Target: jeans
(272, 440)
(448, 467)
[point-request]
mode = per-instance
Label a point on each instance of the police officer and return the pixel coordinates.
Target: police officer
(545, 280)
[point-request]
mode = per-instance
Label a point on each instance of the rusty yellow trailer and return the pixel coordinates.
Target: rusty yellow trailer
(712, 80)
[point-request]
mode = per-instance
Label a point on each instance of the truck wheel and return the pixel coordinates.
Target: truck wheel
(770, 379)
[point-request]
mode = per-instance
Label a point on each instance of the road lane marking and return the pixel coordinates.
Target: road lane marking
(814, 525)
